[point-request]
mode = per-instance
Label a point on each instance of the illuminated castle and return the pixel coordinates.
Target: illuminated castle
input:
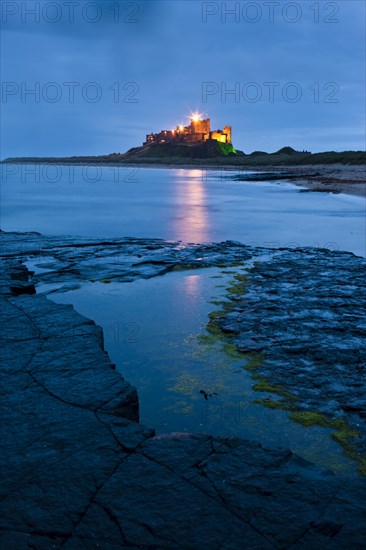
(198, 130)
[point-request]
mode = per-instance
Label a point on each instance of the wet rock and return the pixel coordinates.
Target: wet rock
(79, 471)
(312, 337)
(118, 260)
(22, 288)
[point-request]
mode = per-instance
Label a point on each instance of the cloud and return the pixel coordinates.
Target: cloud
(158, 65)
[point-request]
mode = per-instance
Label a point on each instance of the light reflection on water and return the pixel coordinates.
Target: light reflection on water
(192, 216)
(188, 205)
(152, 332)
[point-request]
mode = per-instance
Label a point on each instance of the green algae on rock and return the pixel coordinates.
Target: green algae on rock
(302, 313)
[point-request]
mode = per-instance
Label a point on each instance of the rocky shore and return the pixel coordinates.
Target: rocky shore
(80, 471)
(332, 178)
(337, 178)
(300, 318)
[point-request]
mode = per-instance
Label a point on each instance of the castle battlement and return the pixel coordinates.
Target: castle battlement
(198, 130)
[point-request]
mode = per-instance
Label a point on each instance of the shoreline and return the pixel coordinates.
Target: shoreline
(328, 178)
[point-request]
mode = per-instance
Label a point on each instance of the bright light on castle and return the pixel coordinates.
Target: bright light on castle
(196, 117)
(198, 130)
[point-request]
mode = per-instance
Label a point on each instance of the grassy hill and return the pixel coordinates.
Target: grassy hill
(208, 153)
(201, 150)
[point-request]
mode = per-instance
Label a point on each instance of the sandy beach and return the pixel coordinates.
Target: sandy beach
(337, 178)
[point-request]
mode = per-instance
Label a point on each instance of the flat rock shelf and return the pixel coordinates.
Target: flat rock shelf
(81, 472)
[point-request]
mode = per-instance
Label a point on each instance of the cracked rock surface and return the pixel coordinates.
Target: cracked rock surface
(71, 260)
(80, 472)
(305, 312)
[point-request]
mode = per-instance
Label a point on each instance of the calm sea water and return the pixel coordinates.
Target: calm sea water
(180, 204)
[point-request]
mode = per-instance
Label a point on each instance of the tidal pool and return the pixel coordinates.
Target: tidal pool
(155, 332)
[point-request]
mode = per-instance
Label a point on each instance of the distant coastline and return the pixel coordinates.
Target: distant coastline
(346, 174)
(163, 156)
(335, 172)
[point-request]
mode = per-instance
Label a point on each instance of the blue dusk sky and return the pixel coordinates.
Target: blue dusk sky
(90, 78)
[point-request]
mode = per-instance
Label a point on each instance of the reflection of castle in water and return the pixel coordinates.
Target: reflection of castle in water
(191, 216)
(198, 130)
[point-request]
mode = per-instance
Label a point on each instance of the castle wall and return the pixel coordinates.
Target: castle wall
(197, 131)
(227, 131)
(200, 126)
(219, 136)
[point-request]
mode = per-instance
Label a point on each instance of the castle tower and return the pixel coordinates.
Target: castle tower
(227, 131)
(199, 126)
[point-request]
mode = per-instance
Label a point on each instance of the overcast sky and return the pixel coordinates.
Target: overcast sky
(106, 73)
